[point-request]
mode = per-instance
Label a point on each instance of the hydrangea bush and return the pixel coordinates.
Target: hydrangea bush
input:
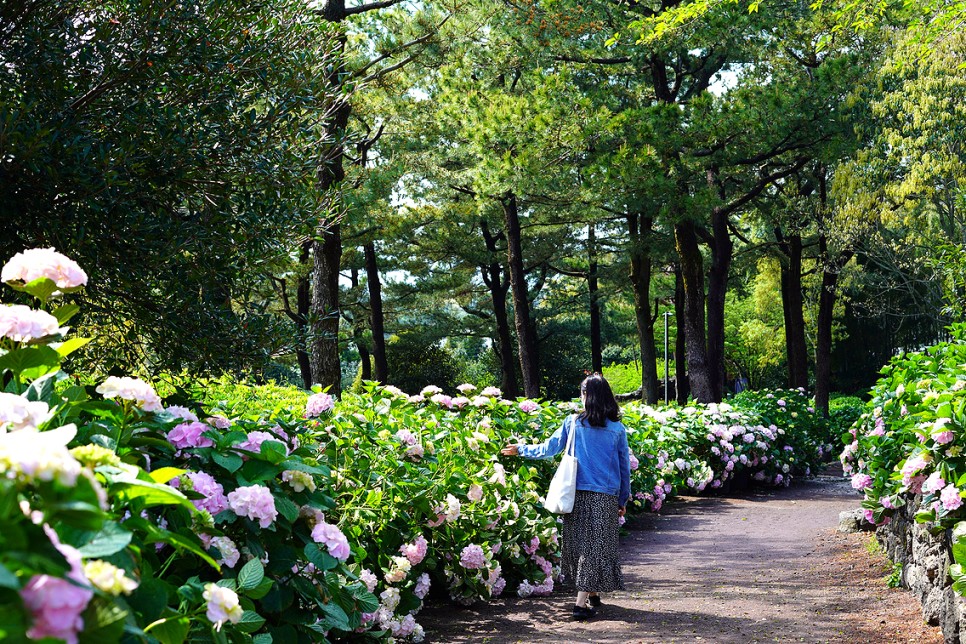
(294, 516)
(906, 450)
(123, 519)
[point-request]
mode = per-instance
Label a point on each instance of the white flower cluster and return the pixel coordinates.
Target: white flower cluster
(131, 389)
(30, 455)
(16, 412)
(36, 263)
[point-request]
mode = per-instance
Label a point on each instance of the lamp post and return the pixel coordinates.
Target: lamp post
(666, 314)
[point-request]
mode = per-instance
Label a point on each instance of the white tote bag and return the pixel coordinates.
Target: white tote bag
(563, 487)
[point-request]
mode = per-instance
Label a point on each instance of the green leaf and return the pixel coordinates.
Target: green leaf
(335, 617)
(366, 601)
(165, 474)
(31, 362)
(8, 579)
(174, 630)
(251, 575)
(110, 540)
(77, 514)
(262, 638)
(68, 347)
(230, 462)
(262, 589)
(65, 313)
(321, 560)
(287, 508)
(128, 487)
(41, 288)
(103, 622)
(250, 622)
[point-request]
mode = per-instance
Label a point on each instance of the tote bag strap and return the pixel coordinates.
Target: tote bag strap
(571, 448)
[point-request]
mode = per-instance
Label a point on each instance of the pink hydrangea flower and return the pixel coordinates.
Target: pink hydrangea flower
(942, 438)
(254, 502)
(23, 324)
(460, 401)
(951, 498)
(406, 437)
(861, 481)
(422, 586)
(528, 406)
(533, 546)
(253, 442)
(334, 540)
(491, 392)
(369, 579)
(189, 435)
(56, 604)
(472, 557)
(634, 463)
(181, 412)
(214, 501)
(36, 263)
(466, 387)
(934, 483)
(229, 551)
(318, 404)
(218, 422)
(475, 493)
(442, 400)
(415, 551)
(915, 483)
(430, 390)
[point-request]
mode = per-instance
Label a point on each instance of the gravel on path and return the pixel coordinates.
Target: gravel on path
(767, 566)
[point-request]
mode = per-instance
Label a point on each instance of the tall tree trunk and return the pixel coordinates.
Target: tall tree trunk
(526, 333)
(700, 375)
(493, 278)
(796, 349)
(303, 299)
(639, 228)
(326, 366)
(327, 255)
(682, 385)
(721, 252)
(358, 334)
(826, 310)
(596, 352)
(378, 319)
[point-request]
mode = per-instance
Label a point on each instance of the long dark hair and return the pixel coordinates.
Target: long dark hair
(599, 402)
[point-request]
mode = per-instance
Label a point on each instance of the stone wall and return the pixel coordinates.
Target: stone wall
(925, 560)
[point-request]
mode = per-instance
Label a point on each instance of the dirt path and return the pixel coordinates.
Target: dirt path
(764, 567)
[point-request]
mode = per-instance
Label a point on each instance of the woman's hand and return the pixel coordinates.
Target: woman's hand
(621, 511)
(510, 450)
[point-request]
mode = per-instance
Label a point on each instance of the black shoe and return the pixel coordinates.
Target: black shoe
(583, 612)
(594, 601)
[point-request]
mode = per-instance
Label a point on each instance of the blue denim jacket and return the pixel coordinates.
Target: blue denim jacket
(603, 458)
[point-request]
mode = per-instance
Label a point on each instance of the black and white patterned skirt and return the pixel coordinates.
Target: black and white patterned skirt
(590, 543)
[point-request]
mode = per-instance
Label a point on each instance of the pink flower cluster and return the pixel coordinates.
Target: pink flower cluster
(215, 500)
(528, 406)
(253, 442)
(37, 263)
(861, 481)
(132, 389)
(318, 404)
(415, 551)
(23, 324)
(472, 557)
(189, 435)
(442, 400)
(56, 604)
(254, 502)
(334, 540)
(422, 586)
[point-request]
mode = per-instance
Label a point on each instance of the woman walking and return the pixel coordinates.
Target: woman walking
(590, 531)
